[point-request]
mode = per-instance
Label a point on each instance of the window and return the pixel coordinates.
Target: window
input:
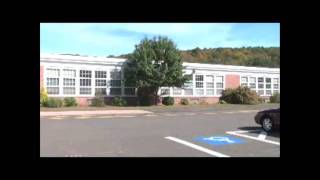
(100, 74)
(51, 72)
(85, 90)
(165, 91)
(115, 83)
(85, 82)
(129, 91)
(69, 90)
(199, 91)
(275, 85)
(268, 92)
(69, 82)
(244, 81)
(177, 91)
(219, 84)
(260, 86)
(53, 81)
(115, 91)
(210, 84)
(101, 91)
(210, 91)
(252, 82)
(53, 90)
(115, 74)
(188, 85)
(101, 82)
(199, 81)
(188, 92)
(69, 73)
(85, 74)
(199, 85)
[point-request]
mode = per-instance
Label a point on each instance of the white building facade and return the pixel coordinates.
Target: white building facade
(81, 77)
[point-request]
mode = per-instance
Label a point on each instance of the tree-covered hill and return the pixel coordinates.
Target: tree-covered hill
(246, 56)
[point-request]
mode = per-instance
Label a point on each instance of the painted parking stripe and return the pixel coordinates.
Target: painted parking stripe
(229, 112)
(262, 135)
(194, 146)
(210, 113)
(238, 133)
(104, 117)
(169, 114)
(151, 115)
(82, 117)
(190, 114)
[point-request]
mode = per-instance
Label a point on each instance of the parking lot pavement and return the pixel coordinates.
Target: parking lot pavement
(146, 135)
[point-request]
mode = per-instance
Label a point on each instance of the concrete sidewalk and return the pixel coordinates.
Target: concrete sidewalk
(99, 112)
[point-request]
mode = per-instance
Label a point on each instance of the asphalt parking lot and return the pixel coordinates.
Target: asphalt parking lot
(177, 132)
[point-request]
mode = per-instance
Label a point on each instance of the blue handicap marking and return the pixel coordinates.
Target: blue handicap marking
(219, 140)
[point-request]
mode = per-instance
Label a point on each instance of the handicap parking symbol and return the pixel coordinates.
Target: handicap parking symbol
(219, 140)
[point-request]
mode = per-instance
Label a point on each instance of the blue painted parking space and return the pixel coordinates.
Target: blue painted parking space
(219, 140)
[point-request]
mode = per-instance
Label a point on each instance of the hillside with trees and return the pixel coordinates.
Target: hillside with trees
(246, 56)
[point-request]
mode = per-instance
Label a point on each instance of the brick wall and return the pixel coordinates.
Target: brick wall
(232, 81)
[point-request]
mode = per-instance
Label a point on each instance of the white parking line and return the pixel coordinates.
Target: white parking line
(214, 153)
(169, 114)
(209, 113)
(238, 133)
(189, 114)
(151, 115)
(262, 135)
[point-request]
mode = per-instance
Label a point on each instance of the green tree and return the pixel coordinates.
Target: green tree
(154, 63)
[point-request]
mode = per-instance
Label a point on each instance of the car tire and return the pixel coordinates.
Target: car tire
(267, 124)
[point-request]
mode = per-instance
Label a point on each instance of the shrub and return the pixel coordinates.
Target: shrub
(275, 98)
(70, 101)
(118, 101)
(43, 96)
(240, 95)
(53, 102)
(168, 101)
(222, 102)
(184, 101)
(98, 100)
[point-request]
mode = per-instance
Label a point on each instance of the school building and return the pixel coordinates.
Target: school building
(82, 76)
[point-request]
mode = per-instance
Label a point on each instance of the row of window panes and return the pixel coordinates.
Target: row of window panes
(166, 91)
(51, 72)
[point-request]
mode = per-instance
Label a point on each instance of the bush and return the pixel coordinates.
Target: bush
(240, 95)
(70, 101)
(184, 101)
(118, 101)
(168, 101)
(222, 102)
(43, 96)
(98, 100)
(53, 102)
(275, 98)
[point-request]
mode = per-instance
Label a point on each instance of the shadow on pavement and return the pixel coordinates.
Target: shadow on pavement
(257, 130)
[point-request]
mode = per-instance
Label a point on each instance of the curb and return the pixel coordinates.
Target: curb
(105, 112)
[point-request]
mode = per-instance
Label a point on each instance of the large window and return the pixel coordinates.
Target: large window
(244, 81)
(199, 85)
(69, 81)
(177, 91)
(101, 82)
(275, 85)
(52, 80)
(268, 86)
(210, 85)
(252, 83)
(260, 85)
(115, 82)
(188, 85)
(85, 82)
(219, 84)
(165, 91)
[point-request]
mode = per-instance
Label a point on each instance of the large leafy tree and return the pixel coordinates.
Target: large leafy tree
(154, 63)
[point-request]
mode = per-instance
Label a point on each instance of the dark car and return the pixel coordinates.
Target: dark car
(268, 119)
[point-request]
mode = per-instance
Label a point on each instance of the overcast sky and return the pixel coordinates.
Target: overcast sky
(103, 39)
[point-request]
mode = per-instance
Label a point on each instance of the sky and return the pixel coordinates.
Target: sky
(103, 39)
